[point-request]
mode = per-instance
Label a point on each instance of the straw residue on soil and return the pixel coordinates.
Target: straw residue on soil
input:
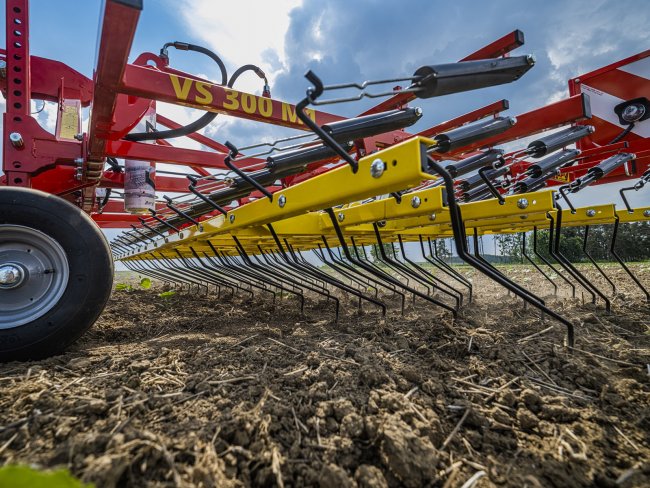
(195, 390)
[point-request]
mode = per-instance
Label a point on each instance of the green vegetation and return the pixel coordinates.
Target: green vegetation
(27, 477)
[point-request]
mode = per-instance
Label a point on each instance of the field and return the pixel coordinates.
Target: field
(192, 390)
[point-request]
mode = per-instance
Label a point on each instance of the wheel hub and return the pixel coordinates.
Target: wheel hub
(11, 276)
(34, 274)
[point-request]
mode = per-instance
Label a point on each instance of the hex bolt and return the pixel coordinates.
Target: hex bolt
(231, 218)
(432, 217)
(418, 111)
(646, 213)
(341, 216)
(591, 212)
(416, 202)
(522, 203)
(282, 201)
(16, 140)
(377, 168)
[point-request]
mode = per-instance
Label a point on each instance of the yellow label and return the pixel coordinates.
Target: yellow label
(69, 122)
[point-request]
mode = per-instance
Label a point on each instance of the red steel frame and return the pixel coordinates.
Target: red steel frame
(121, 93)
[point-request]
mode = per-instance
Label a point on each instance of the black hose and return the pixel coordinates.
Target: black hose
(625, 132)
(202, 121)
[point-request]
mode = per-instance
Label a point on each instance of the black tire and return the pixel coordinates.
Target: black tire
(90, 273)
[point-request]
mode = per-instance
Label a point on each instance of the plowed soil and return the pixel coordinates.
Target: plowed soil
(194, 390)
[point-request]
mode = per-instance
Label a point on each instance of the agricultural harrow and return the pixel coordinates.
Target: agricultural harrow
(297, 216)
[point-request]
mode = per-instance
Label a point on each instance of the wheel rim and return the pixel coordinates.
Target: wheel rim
(34, 274)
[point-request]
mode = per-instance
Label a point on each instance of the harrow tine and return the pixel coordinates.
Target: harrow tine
(265, 275)
(444, 267)
(461, 248)
(438, 284)
(593, 261)
(612, 250)
(530, 260)
(373, 277)
(554, 249)
(550, 265)
(236, 273)
(477, 255)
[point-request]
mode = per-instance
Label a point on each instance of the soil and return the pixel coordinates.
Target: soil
(194, 390)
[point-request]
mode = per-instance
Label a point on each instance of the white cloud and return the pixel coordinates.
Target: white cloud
(240, 32)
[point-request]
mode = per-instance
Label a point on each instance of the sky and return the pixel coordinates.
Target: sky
(343, 41)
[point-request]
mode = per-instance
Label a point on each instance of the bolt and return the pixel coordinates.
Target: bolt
(282, 201)
(79, 161)
(231, 218)
(416, 202)
(16, 140)
(11, 276)
(577, 80)
(377, 168)
(646, 213)
(530, 59)
(341, 216)
(522, 203)
(591, 212)
(418, 111)
(381, 223)
(432, 217)
(79, 137)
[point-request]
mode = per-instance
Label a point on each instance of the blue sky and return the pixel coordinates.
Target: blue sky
(343, 40)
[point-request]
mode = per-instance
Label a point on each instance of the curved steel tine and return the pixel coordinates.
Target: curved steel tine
(530, 260)
(442, 266)
(458, 227)
(557, 254)
(443, 286)
(593, 261)
(477, 254)
(612, 250)
(264, 273)
(222, 264)
(550, 265)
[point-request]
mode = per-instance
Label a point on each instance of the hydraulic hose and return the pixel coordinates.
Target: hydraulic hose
(207, 117)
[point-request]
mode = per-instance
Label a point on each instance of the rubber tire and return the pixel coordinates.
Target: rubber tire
(90, 273)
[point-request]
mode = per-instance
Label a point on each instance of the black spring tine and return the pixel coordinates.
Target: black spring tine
(203, 272)
(587, 284)
(287, 269)
(185, 271)
(242, 267)
(365, 256)
(382, 257)
(443, 286)
(413, 290)
(167, 271)
(593, 261)
(216, 277)
(550, 265)
(234, 273)
(530, 260)
(226, 274)
(152, 229)
(348, 255)
(443, 267)
(354, 271)
(612, 250)
(477, 255)
(353, 276)
(264, 273)
(461, 248)
(390, 286)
